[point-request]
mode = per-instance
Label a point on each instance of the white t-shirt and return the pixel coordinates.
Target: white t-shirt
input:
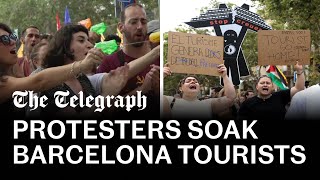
(96, 81)
(305, 104)
(190, 109)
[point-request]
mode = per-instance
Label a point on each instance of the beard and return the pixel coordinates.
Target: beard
(135, 42)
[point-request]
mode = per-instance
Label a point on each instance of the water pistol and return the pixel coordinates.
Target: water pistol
(154, 37)
(107, 47)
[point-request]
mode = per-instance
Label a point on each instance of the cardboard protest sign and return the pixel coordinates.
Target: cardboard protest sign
(232, 24)
(284, 47)
(194, 53)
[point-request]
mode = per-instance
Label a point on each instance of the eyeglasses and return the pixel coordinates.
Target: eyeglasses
(5, 39)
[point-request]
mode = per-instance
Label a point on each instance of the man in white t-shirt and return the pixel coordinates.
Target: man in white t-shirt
(305, 104)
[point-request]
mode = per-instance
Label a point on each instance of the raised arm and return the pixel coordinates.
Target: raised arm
(220, 104)
(299, 86)
(49, 77)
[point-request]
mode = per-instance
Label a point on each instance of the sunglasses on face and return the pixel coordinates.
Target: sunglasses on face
(5, 39)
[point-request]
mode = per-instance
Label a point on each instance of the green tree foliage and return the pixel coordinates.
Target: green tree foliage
(293, 15)
(152, 7)
(19, 14)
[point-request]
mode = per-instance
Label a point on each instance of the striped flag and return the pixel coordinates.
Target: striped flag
(278, 78)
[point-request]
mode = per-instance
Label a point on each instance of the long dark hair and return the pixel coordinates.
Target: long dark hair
(59, 46)
(2, 70)
(5, 27)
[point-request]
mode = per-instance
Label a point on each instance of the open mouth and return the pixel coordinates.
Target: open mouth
(193, 87)
(13, 51)
(139, 34)
(265, 89)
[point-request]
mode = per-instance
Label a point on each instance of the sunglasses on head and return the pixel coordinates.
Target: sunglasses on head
(5, 39)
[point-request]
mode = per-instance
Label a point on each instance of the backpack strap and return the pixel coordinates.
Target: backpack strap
(121, 57)
(172, 103)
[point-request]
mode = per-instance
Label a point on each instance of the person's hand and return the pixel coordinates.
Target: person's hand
(155, 72)
(93, 58)
(147, 83)
(298, 68)
(115, 80)
(166, 70)
(155, 78)
(151, 78)
(222, 70)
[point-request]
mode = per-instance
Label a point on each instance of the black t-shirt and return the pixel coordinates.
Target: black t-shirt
(273, 108)
(51, 109)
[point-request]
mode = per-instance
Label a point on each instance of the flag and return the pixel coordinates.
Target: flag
(67, 18)
(58, 21)
(278, 78)
(86, 22)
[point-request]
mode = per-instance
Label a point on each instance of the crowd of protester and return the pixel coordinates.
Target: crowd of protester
(68, 61)
(265, 102)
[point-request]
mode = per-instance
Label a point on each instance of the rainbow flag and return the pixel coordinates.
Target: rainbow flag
(278, 78)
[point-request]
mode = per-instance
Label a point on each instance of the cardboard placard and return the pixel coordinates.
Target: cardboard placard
(283, 47)
(195, 53)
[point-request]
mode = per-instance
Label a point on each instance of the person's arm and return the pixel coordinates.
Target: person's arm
(151, 80)
(220, 104)
(114, 81)
(141, 63)
(299, 86)
(49, 77)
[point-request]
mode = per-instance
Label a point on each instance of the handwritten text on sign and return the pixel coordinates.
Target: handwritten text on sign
(283, 47)
(194, 53)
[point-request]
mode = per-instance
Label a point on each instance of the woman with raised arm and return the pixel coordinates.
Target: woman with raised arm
(44, 80)
(69, 45)
(63, 66)
(189, 106)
